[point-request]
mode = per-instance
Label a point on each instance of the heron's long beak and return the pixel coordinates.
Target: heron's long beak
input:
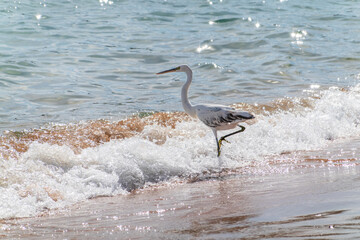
(170, 70)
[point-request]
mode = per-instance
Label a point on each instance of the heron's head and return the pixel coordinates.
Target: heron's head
(181, 68)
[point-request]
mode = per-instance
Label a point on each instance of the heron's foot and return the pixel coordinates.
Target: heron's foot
(220, 144)
(221, 140)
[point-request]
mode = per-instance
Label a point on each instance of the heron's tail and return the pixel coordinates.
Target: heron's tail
(243, 115)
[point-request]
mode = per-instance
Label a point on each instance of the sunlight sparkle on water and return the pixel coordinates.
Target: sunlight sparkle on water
(314, 86)
(299, 36)
(203, 48)
(102, 2)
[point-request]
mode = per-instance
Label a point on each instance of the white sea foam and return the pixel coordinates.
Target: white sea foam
(51, 176)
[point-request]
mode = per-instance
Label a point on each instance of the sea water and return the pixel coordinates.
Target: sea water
(72, 71)
(67, 61)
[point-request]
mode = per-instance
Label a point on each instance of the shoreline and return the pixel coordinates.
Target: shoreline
(310, 202)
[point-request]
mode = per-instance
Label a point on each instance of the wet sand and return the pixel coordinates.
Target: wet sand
(310, 200)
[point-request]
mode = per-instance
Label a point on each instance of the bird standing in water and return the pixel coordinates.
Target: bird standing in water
(217, 117)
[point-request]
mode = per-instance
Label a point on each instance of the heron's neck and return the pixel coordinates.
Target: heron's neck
(189, 109)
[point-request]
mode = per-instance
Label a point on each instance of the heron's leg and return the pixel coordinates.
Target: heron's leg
(217, 142)
(218, 147)
(228, 135)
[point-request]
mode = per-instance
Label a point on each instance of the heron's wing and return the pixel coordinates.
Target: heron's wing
(217, 115)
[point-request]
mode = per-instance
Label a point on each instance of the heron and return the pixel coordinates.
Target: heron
(217, 117)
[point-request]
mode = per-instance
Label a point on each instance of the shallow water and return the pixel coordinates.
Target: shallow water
(84, 116)
(310, 202)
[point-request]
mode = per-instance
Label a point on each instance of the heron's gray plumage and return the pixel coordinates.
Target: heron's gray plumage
(215, 116)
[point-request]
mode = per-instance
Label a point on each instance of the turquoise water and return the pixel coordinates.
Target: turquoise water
(67, 60)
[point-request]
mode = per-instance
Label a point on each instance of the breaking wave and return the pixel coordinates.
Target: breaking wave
(61, 165)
